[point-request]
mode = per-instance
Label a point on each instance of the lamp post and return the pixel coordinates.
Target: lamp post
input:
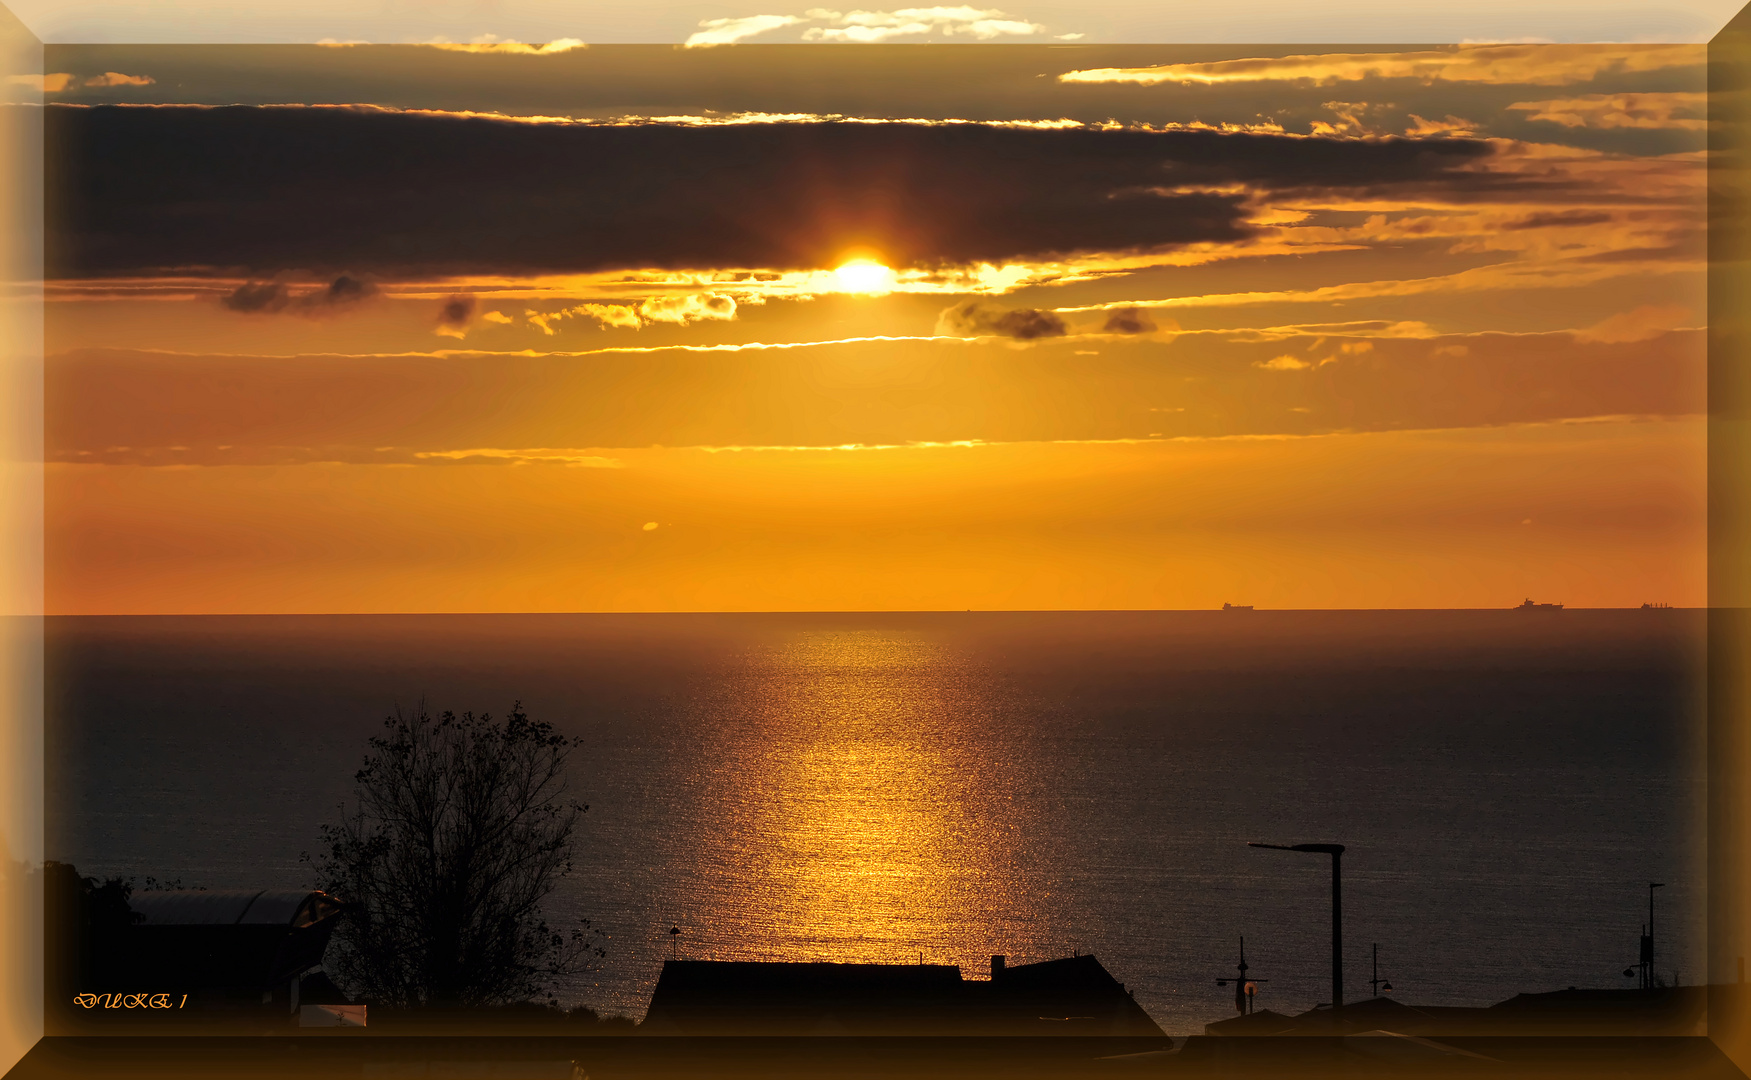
(1336, 852)
(1648, 943)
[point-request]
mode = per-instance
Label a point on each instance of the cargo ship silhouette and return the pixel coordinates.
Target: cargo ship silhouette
(1530, 606)
(1236, 607)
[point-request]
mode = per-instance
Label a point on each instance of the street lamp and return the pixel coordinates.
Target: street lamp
(1336, 852)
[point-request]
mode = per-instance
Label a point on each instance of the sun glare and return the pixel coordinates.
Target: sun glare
(864, 276)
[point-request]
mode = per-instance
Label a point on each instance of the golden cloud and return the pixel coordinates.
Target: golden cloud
(492, 43)
(1587, 229)
(1449, 127)
(865, 27)
(1358, 328)
(544, 320)
(679, 310)
(1652, 110)
(1538, 65)
(1552, 274)
(61, 81)
(682, 310)
(624, 316)
(116, 78)
(1350, 120)
(756, 286)
(730, 31)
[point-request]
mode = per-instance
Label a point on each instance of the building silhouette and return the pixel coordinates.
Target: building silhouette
(1069, 996)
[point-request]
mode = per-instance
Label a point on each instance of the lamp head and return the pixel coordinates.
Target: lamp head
(1327, 849)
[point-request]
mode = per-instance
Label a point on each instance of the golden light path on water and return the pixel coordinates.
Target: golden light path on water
(861, 813)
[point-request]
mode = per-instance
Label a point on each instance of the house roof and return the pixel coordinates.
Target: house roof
(1057, 997)
(1262, 1022)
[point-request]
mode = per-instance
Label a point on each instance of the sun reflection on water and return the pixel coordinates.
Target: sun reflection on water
(860, 814)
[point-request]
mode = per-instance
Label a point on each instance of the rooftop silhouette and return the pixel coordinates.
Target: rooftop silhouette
(1068, 996)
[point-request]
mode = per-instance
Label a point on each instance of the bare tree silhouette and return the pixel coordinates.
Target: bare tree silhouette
(462, 828)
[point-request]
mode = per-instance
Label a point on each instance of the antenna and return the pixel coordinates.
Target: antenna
(1377, 982)
(1244, 988)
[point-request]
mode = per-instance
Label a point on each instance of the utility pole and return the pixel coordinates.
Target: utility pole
(1244, 988)
(1240, 983)
(1648, 939)
(1377, 983)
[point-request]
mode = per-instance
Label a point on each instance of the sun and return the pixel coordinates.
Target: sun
(864, 276)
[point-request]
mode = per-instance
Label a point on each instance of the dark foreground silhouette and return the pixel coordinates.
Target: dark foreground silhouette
(1071, 996)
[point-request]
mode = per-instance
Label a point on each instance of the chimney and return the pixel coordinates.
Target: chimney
(996, 967)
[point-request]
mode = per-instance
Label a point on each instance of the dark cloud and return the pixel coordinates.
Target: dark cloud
(266, 190)
(1563, 217)
(456, 312)
(344, 290)
(272, 297)
(894, 81)
(972, 318)
(251, 297)
(1129, 321)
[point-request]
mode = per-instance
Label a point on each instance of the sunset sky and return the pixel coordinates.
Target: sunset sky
(500, 327)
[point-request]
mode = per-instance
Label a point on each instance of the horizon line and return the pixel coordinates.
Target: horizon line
(1254, 609)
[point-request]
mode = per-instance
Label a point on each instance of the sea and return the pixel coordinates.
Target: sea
(947, 787)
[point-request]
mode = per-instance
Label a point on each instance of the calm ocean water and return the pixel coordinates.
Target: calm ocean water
(881, 787)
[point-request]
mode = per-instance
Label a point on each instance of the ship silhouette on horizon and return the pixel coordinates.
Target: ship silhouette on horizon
(1528, 605)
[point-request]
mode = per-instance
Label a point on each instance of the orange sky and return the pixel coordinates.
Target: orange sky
(1378, 330)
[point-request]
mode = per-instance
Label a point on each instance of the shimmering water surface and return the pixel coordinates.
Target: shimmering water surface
(952, 786)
